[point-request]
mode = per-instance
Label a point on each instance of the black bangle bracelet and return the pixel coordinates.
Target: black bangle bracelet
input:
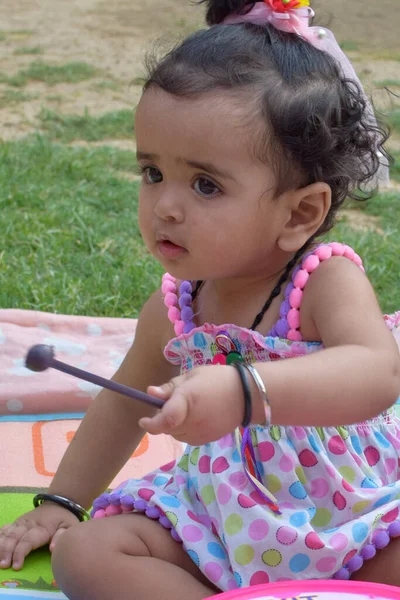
(73, 507)
(241, 369)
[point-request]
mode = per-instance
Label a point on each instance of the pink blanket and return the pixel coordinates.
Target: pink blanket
(40, 412)
(95, 344)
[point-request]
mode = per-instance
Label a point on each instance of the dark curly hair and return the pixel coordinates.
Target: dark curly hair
(317, 124)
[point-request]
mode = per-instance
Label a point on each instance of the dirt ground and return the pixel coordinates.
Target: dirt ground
(112, 35)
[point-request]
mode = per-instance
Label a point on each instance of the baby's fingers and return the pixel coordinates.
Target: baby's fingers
(30, 540)
(162, 391)
(170, 417)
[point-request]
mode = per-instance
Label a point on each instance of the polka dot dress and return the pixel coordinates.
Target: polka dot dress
(337, 488)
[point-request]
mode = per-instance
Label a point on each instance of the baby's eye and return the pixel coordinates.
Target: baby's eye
(152, 175)
(206, 187)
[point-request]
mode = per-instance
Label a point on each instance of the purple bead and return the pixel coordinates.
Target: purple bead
(288, 289)
(185, 300)
(185, 287)
(342, 574)
(97, 504)
(187, 328)
(282, 328)
(272, 332)
(102, 501)
(153, 512)
(297, 269)
(355, 563)
(368, 552)
(127, 501)
(140, 505)
(115, 499)
(165, 522)
(394, 529)
(284, 309)
(175, 534)
(380, 539)
(186, 314)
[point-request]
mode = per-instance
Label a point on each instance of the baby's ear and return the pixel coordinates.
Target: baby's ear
(306, 210)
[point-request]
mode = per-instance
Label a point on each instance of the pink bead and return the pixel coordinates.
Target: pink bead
(357, 260)
(362, 268)
(173, 314)
(167, 277)
(349, 252)
(337, 249)
(99, 514)
(294, 335)
(293, 318)
(295, 297)
(323, 252)
(113, 510)
(310, 263)
(301, 279)
(168, 286)
(178, 327)
(170, 299)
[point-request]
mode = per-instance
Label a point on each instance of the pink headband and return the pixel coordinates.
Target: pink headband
(284, 17)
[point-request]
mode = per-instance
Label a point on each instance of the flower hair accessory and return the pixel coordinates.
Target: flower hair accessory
(284, 5)
(292, 16)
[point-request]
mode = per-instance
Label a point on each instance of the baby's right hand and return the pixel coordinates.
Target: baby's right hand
(34, 529)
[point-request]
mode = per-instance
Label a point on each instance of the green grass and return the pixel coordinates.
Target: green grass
(28, 50)
(380, 253)
(393, 119)
(70, 241)
(381, 54)
(13, 96)
(395, 171)
(72, 72)
(51, 74)
(387, 83)
(349, 46)
(54, 98)
(107, 84)
(13, 80)
(66, 128)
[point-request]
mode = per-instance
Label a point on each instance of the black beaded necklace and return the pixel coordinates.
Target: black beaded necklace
(275, 292)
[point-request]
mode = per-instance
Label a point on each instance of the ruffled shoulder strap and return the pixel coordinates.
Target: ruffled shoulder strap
(179, 303)
(288, 324)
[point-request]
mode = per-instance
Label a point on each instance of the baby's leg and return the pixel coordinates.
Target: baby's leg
(384, 567)
(129, 557)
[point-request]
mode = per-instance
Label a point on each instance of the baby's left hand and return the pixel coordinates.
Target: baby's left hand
(201, 406)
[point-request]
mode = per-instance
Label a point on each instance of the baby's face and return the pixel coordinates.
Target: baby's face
(206, 209)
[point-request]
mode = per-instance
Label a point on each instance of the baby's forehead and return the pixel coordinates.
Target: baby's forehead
(209, 123)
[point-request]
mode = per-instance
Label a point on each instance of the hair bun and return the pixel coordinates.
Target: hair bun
(218, 10)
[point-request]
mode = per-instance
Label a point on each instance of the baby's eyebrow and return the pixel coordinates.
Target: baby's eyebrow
(202, 166)
(209, 168)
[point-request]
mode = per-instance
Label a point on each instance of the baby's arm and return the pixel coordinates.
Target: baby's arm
(357, 376)
(109, 433)
(354, 378)
(103, 443)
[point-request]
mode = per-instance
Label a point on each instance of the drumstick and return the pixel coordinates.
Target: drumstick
(41, 357)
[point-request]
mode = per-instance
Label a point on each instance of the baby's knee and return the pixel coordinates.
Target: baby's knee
(70, 562)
